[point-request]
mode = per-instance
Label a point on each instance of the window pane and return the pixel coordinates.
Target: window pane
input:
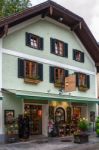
(60, 48)
(34, 73)
(56, 47)
(30, 69)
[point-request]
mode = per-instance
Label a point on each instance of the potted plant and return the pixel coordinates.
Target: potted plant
(81, 135)
(12, 131)
(97, 126)
(33, 80)
(58, 83)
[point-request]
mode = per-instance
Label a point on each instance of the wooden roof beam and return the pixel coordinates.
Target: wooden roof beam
(76, 26)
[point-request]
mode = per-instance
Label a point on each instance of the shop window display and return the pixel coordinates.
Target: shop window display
(60, 115)
(35, 118)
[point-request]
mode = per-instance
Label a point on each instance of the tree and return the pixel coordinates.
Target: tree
(9, 7)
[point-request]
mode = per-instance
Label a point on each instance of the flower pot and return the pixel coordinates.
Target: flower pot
(81, 138)
(11, 138)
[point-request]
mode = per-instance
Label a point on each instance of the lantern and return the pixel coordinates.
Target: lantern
(40, 113)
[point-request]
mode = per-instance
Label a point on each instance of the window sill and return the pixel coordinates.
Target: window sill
(31, 81)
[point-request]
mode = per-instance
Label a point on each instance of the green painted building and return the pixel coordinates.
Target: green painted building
(40, 49)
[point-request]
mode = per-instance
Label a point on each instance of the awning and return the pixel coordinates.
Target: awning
(50, 97)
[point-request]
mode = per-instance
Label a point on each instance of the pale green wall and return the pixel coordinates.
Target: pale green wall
(45, 29)
(10, 102)
(11, 80)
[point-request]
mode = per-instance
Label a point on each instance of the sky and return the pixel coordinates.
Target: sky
(87, 9)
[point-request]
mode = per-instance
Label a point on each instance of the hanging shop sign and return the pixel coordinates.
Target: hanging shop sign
(70, 83)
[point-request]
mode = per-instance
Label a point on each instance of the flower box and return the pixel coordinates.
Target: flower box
(31, 81)
(81, 138)
(58, 84)
(11, 138)
(82, 88)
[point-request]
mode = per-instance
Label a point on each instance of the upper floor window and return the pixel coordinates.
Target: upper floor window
(32, 72)
(59, 47)
(78, 56)
(34, 41)
(57, 76)
(82, 81)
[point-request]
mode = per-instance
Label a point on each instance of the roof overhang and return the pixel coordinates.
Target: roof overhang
(60, 14)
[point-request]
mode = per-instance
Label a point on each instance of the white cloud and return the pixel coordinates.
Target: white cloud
(88, 9)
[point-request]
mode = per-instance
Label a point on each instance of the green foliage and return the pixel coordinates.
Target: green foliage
(9, 7)
(83, 124)
(97, 126)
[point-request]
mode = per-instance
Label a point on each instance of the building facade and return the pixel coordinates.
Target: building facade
(39, 50)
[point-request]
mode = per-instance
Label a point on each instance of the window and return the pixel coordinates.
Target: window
(59, 47)
(82, 81)
(34, 41)
(30, 71)
(57, 76)
(78, 56)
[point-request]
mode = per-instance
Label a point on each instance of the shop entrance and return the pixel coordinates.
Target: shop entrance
(35, 118)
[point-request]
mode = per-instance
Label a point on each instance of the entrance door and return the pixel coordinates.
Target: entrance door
(35, 116)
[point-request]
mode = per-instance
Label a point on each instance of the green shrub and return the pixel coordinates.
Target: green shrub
(83, 124)
(97, 126)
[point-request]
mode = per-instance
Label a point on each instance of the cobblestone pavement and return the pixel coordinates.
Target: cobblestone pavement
(53, 144)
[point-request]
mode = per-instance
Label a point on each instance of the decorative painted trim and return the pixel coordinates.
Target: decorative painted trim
(45, 61)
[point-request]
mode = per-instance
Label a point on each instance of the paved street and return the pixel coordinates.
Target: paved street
(53, 144)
